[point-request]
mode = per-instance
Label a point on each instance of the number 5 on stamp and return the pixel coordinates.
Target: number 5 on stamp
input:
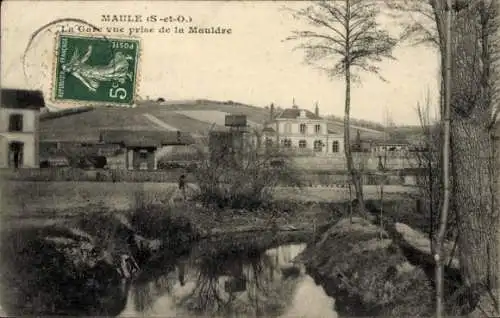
(95, 69)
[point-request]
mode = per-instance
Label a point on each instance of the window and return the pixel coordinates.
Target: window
(143, 154)
(335, 146)
(16, 122)
(317, 129)
(303, 128)
(288, 128)
(287, 143)
(318, 145)
(302, 144)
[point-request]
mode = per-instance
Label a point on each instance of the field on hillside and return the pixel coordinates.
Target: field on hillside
(191, 116)
(86, 126)
(183, 122)
(253, 113)
(211, 116)
(29, 198)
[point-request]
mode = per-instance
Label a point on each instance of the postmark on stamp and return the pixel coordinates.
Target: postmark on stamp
(101, 70)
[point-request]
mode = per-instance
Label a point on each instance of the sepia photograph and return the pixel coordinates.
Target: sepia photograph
(293, 159)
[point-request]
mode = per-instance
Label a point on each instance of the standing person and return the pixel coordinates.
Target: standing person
(182, 186)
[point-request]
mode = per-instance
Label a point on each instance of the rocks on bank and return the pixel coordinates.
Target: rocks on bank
(367, 272)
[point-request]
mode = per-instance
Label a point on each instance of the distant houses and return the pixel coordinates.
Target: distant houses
(30, 140)
(122, 149)
(140, 147)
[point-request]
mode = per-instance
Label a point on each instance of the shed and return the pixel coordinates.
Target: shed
(141, 146)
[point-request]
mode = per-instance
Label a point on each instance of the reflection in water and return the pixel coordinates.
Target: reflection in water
(310, 301)
(213, 281)
(252, 283)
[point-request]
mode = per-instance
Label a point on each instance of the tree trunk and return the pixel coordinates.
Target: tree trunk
(471, 144)
(495, 154)
(445, 120)
(355, 176)
(382, 206)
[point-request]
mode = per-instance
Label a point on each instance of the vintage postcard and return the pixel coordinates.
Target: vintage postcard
(249, 158)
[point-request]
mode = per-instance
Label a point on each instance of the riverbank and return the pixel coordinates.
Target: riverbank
(382, 271)
(101, 249)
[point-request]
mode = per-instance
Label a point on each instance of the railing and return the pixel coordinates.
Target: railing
(309, 177)
(98, 175)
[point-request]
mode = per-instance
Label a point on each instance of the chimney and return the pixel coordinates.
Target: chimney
(293, 104)
(358, 137)
(316, 110)
(271, 112)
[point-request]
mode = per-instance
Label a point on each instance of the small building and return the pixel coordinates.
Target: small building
(269, 136)
(19, 139)
(141, 147)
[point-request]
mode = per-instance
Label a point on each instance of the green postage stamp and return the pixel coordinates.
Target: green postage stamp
(95, 69)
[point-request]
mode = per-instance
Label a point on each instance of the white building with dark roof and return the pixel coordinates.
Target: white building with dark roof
(303, 130)
(19, 139)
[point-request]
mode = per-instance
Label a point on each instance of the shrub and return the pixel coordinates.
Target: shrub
(245, 178)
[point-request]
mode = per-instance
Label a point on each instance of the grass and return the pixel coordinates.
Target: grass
(184, 122)
(364, 274)
(29, 199)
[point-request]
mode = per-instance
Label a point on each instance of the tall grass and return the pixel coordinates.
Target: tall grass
(155, 218)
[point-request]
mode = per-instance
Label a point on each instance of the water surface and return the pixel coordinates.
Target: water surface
(250, 283)
(230, 277)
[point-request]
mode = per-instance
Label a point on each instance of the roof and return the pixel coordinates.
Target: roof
(145, 138)
(292, 113)
(391, 144)
(21, 98)
(268, 129)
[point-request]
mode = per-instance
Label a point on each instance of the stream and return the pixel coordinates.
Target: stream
(250, 283)
(211, 279)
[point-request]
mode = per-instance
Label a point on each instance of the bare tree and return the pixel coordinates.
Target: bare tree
(426, 156)
(382, 166)
(345, 32)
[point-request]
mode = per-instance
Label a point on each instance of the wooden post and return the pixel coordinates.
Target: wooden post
(126, 158)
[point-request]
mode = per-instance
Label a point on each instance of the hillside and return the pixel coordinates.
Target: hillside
(196, 117)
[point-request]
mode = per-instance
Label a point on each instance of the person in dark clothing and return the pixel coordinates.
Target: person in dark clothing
(182, 185)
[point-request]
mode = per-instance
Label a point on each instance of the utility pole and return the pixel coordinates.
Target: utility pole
(439, 254)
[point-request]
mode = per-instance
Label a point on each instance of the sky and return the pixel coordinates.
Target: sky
(252, 65)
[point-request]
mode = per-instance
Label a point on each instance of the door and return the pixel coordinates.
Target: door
(16, 154)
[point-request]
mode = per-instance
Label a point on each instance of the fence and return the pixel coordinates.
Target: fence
(98, 175)
(342, 179)
(309, 178)
(367, 161)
